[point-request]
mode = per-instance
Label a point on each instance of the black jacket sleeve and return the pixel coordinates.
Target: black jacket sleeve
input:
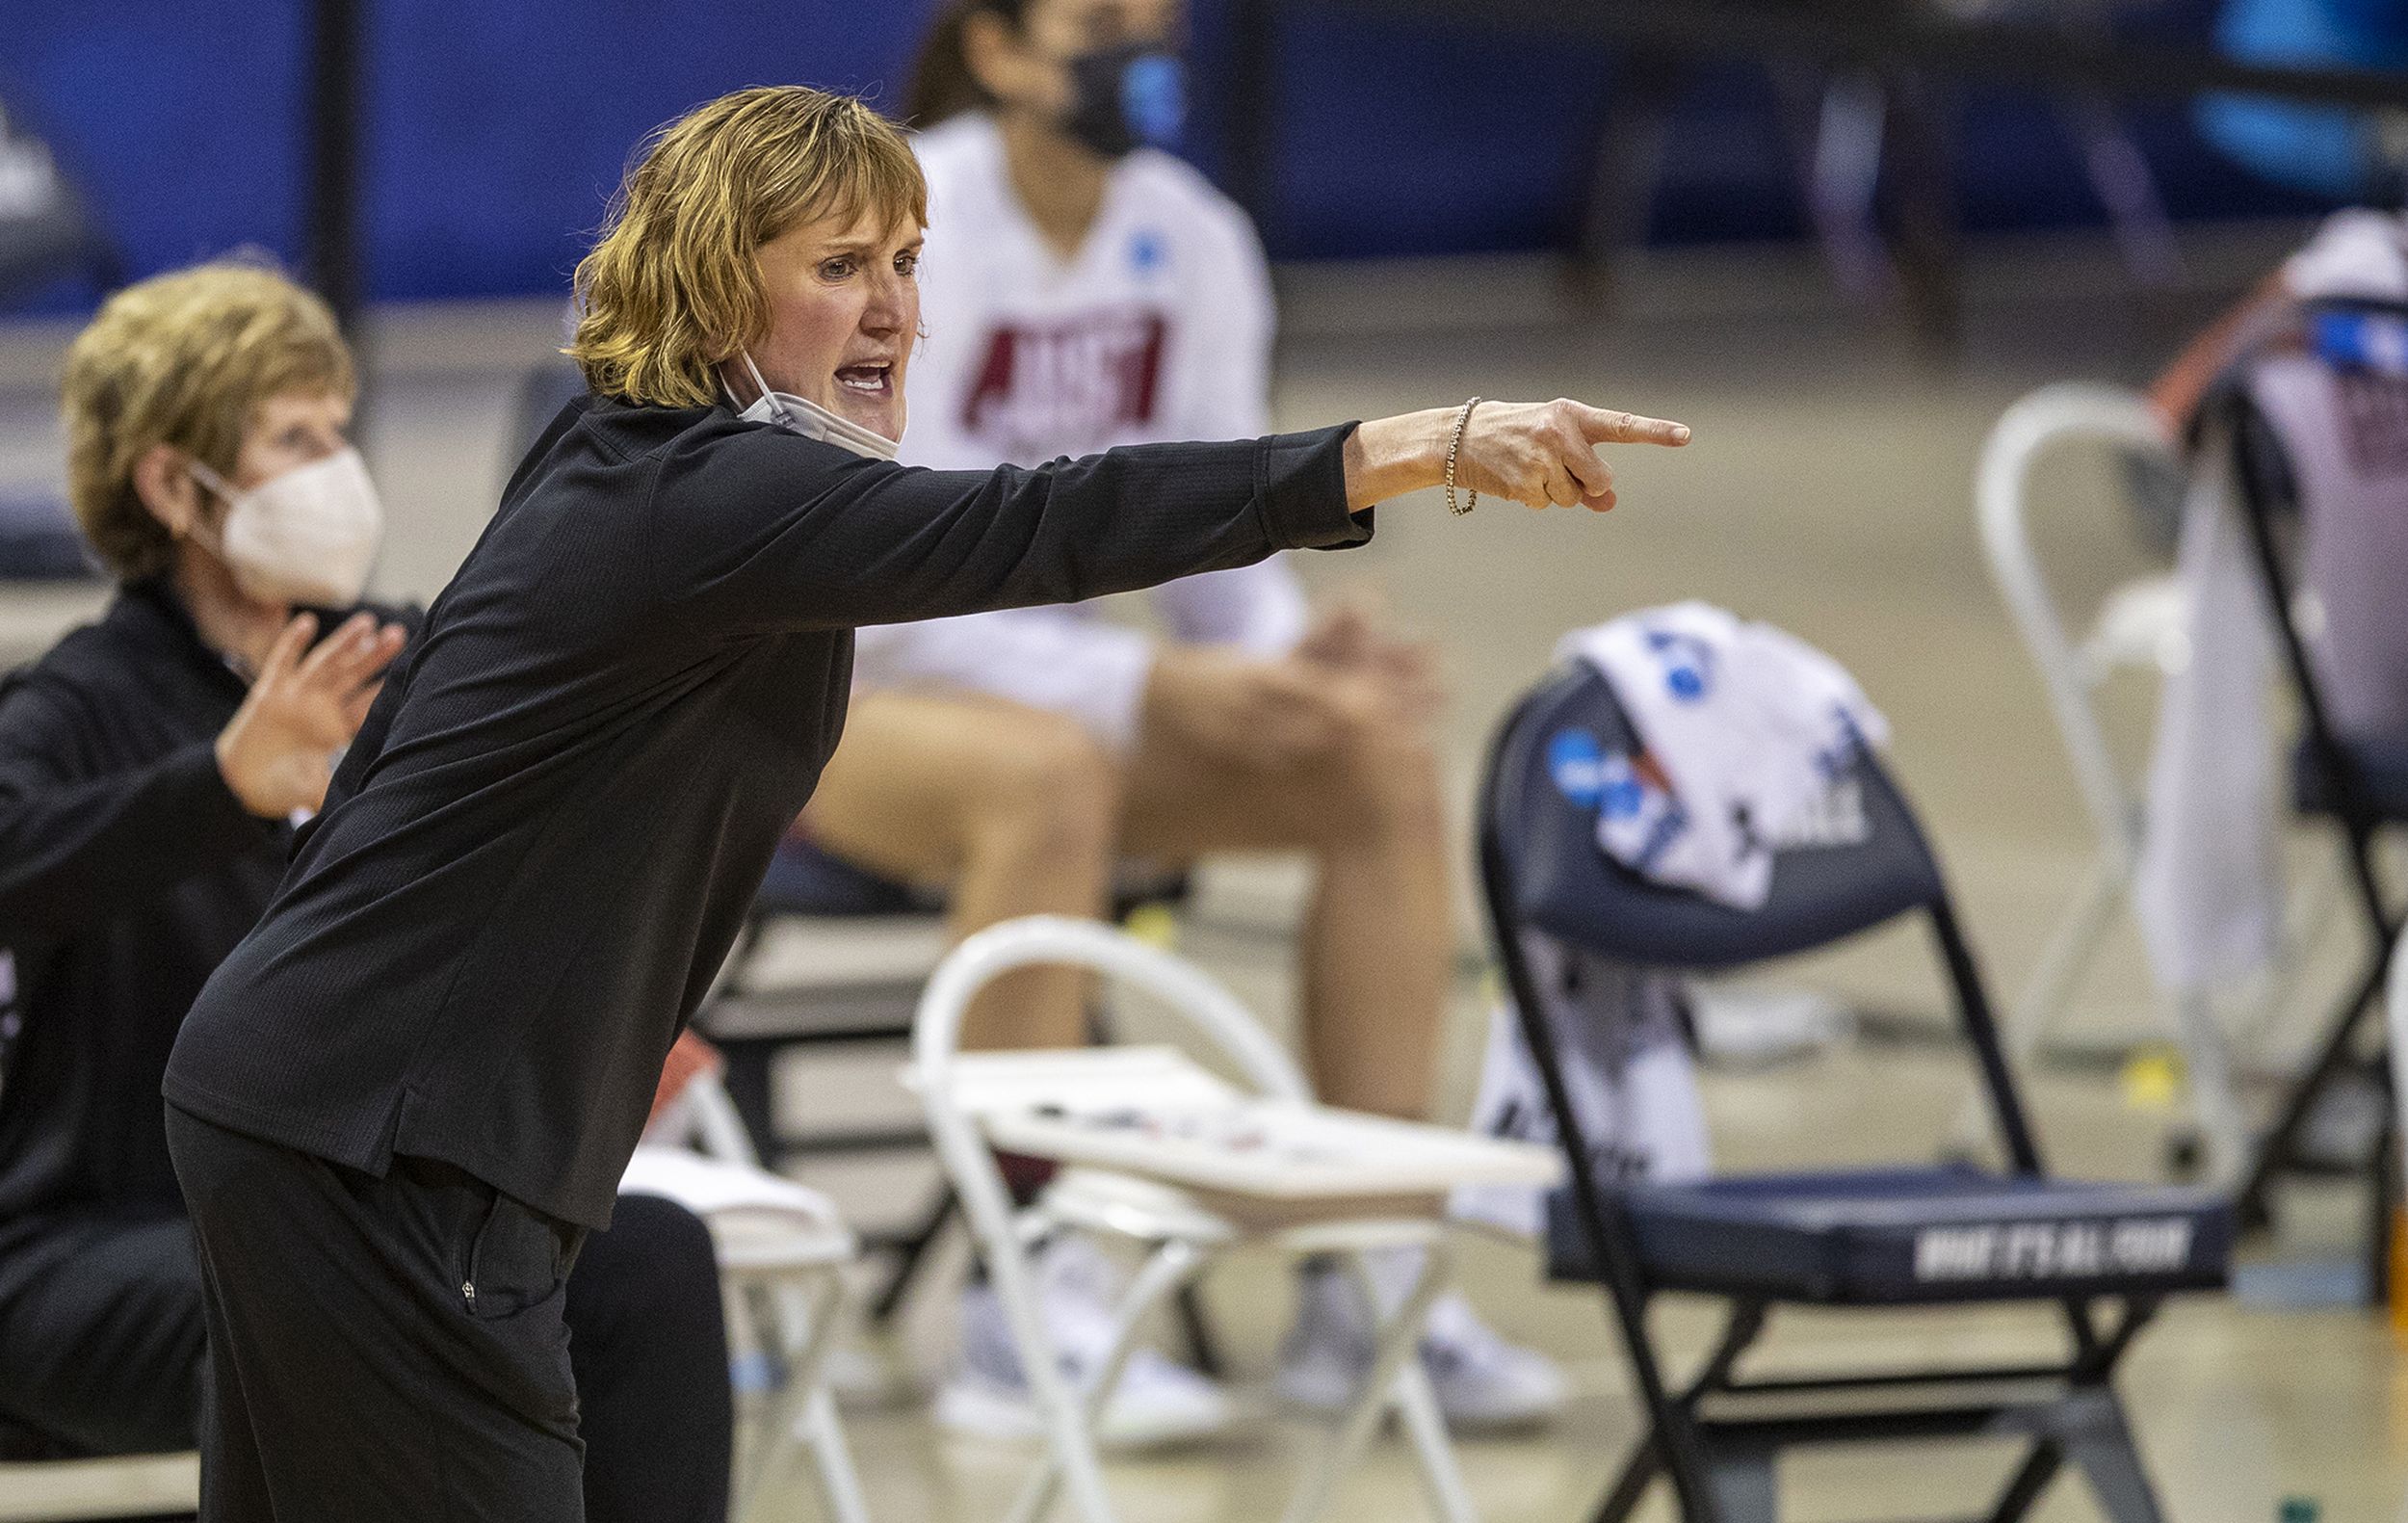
(759, 529)
(77, 839)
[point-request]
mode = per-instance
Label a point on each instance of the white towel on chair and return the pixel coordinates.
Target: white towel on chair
(1745, 727)
(2208, 891)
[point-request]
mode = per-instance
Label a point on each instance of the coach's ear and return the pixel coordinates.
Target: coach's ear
(164, 482)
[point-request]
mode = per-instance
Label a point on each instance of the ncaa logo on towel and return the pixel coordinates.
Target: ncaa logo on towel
(1577, 764)
(1146, 252)
(1688, 664)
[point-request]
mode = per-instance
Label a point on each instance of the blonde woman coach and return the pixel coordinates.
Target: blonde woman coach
(402, 1101)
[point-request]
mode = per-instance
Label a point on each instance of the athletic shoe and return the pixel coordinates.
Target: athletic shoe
(1481, 1381)
(1157, 1401)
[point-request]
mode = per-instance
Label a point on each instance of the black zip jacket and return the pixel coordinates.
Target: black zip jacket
(542, 843)
(127, 872)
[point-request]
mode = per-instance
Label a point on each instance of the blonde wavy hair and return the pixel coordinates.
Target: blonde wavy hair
(183, 360)
(674, 287)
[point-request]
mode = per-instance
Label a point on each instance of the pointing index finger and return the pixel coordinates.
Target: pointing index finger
(1604, 426)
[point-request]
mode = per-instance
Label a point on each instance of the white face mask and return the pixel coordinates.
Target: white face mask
(305, 537)
(803, 417)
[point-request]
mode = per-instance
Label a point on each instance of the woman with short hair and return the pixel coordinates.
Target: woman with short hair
(403, 1101)
(151, 765)
(1082, 289)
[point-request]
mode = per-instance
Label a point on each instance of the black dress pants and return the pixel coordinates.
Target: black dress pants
(103, 1350)
(381, 1350)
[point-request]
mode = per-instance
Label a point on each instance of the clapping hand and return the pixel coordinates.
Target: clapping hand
(277, 751)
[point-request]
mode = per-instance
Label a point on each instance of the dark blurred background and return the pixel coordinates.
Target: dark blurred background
(489, 135)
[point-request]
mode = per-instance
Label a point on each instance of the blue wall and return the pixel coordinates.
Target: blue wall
(497, 129)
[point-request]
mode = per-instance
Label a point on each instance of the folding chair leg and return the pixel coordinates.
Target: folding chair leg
(1399, 1338)
(1171, 1265)
(2099, 1444)
(1630, 1487)
(1203, 1347)
(1069, 1445)
(1442, 1479)
(760, 1450)
(807, 1320)
(2274, 1152)
(2030, 1479)
(2309, 908)
(911, 1253)
(1744, 1483)
(839, 1483)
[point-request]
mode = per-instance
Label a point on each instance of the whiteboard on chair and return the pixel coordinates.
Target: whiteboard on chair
(1155, 1113)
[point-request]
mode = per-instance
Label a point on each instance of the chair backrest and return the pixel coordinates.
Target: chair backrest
(1190, 993)
(2036, 427)
(1058, 940)
(1541, 868)
(1539, 814)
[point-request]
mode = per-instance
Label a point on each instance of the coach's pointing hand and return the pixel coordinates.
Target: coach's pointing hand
(278, 750)
(1541, 454)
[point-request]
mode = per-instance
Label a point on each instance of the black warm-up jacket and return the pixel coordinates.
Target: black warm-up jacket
(127, 872)
(542, 843)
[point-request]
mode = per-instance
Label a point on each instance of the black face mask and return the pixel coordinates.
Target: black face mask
(1127, 96)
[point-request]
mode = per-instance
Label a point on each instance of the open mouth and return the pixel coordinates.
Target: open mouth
(868, 381)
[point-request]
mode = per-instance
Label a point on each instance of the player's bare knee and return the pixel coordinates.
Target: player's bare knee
(1055, 786)
(1382, 778)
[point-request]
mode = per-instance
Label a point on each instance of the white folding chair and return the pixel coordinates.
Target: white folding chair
(1054, 1105)
(2138, 626)
(783, 1257)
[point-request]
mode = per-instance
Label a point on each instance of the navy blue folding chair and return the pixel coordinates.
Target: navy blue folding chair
(1867, 1238)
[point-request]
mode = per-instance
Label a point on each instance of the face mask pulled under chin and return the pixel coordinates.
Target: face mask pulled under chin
(306, 536)
(803, 417)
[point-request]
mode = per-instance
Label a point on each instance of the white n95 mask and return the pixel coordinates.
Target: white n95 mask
(802, 415)
(307, 536)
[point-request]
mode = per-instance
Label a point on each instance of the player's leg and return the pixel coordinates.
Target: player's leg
(101, 1330)
(648, 1342)
(1009, 806)
(1377, 938)
(1375, 962)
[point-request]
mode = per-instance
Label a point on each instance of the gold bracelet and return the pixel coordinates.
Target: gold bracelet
(1454, 443)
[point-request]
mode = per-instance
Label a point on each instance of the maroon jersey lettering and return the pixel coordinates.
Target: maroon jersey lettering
(1069, 386)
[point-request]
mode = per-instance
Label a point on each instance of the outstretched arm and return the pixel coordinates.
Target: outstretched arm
(764, 530)
(1539, 454)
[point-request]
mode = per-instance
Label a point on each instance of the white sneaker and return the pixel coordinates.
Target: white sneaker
(1481, 1381)
(1156, 1402)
